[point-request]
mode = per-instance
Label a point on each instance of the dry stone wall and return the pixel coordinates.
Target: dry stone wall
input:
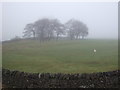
(16, 79)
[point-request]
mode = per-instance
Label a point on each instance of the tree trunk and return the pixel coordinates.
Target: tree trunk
(57, 37)
(82, 37)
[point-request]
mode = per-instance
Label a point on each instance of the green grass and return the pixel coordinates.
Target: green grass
(61, 56)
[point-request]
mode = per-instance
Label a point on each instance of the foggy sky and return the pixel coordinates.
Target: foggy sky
(0, 22)
(100, 17)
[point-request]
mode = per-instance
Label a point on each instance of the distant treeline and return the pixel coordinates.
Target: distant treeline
(48, 29)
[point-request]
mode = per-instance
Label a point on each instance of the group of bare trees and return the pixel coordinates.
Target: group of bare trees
(47, 29)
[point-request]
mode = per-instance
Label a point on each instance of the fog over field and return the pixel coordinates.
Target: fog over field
(101, 18)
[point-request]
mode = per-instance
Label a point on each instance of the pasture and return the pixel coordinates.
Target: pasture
(63, 56)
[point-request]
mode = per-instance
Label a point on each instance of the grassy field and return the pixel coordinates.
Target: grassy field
(61, 56)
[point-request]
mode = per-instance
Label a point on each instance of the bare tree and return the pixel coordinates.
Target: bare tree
(84, 31)
(29, 30)
(41, 27)
(47, 28)
(76, 29)
(58, 28)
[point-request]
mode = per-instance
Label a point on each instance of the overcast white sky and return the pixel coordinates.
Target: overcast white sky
(100, 17)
